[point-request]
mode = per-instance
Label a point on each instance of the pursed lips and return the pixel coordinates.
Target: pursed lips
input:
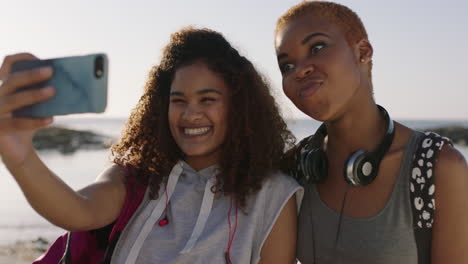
(309, 87)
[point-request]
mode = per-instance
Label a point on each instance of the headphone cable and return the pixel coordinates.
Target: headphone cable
(312, 226)
(340, 220)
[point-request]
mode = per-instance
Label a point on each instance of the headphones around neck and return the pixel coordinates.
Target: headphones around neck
(361, 168)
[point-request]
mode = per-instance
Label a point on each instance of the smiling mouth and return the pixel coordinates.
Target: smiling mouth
(196, 131)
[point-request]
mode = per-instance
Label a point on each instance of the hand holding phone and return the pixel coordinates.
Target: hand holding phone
(80, 84)
(16, 133)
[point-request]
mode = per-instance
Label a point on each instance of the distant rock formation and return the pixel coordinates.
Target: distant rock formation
(458, 134)
(67, 141)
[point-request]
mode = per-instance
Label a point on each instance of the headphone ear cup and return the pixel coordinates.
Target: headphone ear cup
(319, 166)
(366, 169)
(361, 168)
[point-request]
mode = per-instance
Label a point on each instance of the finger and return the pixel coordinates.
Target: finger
(19, 124)
(17, 100)
(5, 69)
(22, 79)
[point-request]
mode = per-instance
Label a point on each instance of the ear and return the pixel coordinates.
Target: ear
(364, 51)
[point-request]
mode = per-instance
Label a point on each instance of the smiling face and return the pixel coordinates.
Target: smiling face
(198, 109)
(320, 70)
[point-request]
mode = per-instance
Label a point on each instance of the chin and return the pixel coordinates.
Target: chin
(196, 154)
(200, 153)
(315, 113)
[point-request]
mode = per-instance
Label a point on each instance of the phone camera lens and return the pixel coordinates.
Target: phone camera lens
(99, 66)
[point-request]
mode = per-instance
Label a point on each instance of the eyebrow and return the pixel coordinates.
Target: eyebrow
(303, 42)
(201, 92)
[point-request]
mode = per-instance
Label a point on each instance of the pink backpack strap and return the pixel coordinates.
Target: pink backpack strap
(73, 247)
(55, 252)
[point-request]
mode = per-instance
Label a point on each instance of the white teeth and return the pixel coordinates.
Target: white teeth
(196, 131)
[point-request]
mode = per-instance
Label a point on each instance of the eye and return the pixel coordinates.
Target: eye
(317, 47)
(285, 67)
(208, 99)
(177, 101)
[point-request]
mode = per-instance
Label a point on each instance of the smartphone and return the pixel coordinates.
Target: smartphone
(80, 84)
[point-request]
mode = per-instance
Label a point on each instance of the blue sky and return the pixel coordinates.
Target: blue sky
(420, 47)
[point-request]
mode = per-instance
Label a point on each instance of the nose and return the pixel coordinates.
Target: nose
(304, 71)
(192, 113)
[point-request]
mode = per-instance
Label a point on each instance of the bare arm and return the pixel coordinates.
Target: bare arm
(94, 206)
(280, 245)
(450, 231)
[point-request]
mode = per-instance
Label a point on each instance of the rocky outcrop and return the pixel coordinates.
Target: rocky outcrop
(67, 141)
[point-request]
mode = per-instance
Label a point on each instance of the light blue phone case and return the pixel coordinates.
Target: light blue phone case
(79, 86)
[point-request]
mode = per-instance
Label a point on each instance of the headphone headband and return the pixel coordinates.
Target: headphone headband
(361, 168)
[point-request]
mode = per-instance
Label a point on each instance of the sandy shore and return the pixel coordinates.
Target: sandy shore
(22, 252)
(13, 260)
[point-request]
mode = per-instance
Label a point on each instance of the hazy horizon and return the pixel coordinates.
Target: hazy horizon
(420, 47)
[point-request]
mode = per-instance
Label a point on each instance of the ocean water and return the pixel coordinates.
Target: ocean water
(19, 222)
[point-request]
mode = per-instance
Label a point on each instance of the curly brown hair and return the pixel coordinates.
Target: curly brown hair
(257, 134)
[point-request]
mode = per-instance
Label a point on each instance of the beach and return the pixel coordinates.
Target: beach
(13, 260)
(21, 252)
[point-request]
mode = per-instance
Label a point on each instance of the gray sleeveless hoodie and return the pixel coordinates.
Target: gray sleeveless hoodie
(198, 229)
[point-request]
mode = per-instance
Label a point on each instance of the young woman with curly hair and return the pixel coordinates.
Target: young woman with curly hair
(195, 176)
(375, 190)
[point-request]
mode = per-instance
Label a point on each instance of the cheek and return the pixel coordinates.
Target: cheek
(221, 117)
(347, 68)
(288, 89)
(350, 81)
(172, 116)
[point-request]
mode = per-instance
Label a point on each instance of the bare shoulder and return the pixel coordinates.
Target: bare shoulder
(450, 232)
(114, 173)
(110, 184)
(451, 167)
(451, 178)
(280, 245)
(105, 197)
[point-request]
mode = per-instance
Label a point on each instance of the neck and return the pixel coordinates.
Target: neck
(360, 127)
(199, 163)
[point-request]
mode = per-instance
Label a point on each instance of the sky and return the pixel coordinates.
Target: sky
(420, 46)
